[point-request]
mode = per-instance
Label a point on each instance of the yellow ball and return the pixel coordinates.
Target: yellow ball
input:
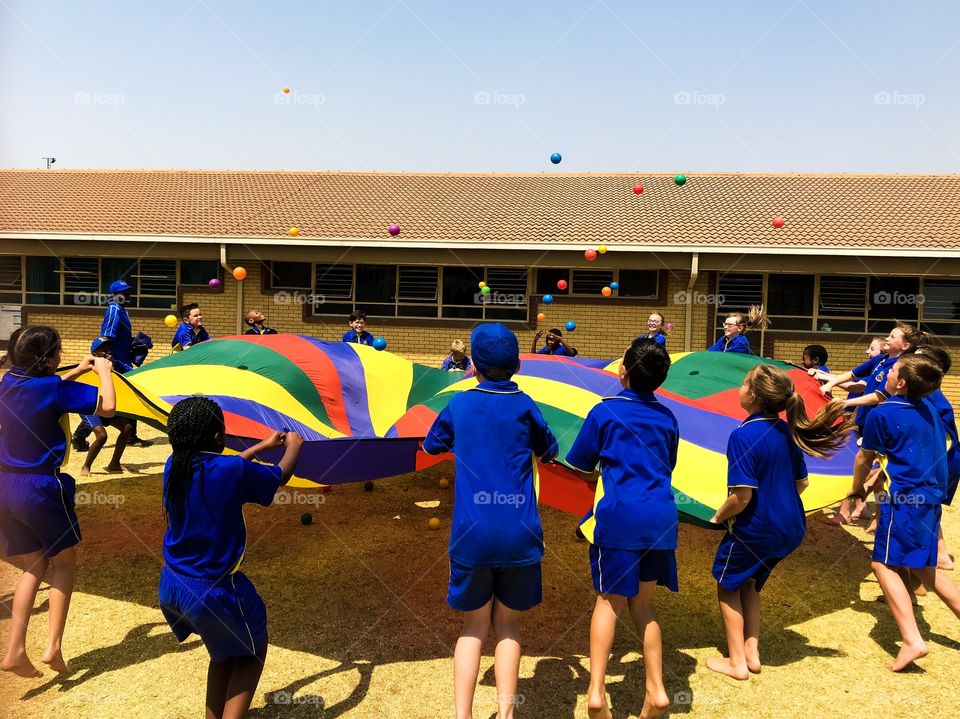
(481, 284)
(602, 249)
(434, 523)
(294, 231)
(444, 483)
(170, 321)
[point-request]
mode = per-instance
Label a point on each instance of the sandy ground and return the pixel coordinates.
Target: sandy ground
(359, 626)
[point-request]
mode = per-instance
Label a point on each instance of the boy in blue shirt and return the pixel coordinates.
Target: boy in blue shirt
(457, 360)
(496, 540)
(632, 527)
(815, 358)
(553, 344)
(191, 331)
(357, 332)
(255, 320)
(906, 435)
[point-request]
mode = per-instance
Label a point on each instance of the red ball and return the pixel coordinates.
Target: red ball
(778, 222)
(637, 189)
(561, 284)
(591, 255)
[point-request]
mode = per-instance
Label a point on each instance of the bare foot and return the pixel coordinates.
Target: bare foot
(598, 709)
(21, 666)
(945, 563)
(838, 519)
(872, 529)
(111, 469)
(84, 471)
(54, 660)
(860, 512)
(753, 665)
(654, 705)
(908, 654)
(723, 665)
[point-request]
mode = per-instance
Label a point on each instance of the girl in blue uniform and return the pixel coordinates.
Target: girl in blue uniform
(201, 588)
(632, 527)
(906, 434)
(735, 329)
(38, 520)
(764, 514)
(655, 329)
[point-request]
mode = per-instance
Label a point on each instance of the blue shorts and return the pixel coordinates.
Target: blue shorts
(228, 614)
(38, 512)
(518, 588)
(736, 563)
(907, 534)
(620, 571)
(92, 419)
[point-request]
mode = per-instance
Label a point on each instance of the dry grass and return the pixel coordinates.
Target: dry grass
(359, 625)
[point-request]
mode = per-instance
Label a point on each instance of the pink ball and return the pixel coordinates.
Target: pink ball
(214, 283)
(394, 230)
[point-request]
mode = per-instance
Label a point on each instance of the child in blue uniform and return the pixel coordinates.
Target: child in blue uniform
(38, 519)
(457, 360)
(553, 344)
(814, 357)
(632, 527)
(496, 540)
(655, 329)
(201, 588)
(764, 514)
(735, 328)
(255, 320)
(357, 332)
(941, 358)
(908, 437)
(191, 330)
(102, 348)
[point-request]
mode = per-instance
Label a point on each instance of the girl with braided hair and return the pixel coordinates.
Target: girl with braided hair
(38, 519)
(763, 512)
(201, 588)
(735, 329)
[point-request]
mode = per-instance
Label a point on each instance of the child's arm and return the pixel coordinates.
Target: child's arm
(536, 338)
(290, 441)
(108, 395)
(866, 400)
(737, 501)
(85, 365)
(802, 484)
(837, 379)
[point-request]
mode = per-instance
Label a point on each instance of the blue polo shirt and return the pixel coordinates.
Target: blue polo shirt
(116, 328)
(560, 349)
(740, 344)
(365, 338)
(659, 338)
(449, 364)
(762, 455)
(634, 439)
(945, 410)
(874, 373)
(185, 336)
(31, 412)
(255, 331)
(910, 438)
(208, 538)
(496, 433)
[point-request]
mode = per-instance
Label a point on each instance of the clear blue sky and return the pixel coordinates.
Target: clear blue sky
(771, 85)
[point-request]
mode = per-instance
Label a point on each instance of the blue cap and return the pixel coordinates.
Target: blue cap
(96, 344)
(493, 346)
(119, 286)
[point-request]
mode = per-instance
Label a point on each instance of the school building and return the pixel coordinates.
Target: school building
(855, 253)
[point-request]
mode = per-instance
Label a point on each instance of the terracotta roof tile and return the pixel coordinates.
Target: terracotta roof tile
(875, 212)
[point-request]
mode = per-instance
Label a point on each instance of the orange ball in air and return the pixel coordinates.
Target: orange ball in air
(286, 91)
(541, 317)
(606, 292)
(239, 273)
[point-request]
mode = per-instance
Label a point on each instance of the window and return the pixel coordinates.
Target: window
(334, 289)
(81, 281)
(157, 284)
(508, 294)
(893, 298)
(198, 272)
(43, 280)
(842, 297)
(790, 301)
(736, 292)
(590, 282)
(288, 275)
(461, 293)
(636, 284)
(417, 289)
(11, 280)
(641, 284)
(941, 307)
(376, 290)
(547, 278)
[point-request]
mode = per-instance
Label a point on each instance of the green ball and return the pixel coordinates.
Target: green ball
(485, 290)
(306, 518)
(680, 179)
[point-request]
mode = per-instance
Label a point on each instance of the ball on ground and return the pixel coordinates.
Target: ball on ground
(570, 325)
(368, 486)
(306, 518)
(555, 158)
(434, 523)
(380, 344)
(239, 274)
(171, 321)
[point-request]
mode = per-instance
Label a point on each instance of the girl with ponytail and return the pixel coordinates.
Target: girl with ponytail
(735, 328)
(202, 589)
(763, 511)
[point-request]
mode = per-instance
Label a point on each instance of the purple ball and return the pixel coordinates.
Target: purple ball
(394, 230)
(214, 283)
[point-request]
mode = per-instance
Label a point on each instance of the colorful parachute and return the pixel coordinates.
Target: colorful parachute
(363, 412)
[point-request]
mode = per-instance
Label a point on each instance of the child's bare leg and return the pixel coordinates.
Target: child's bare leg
(655, 700)
(843, 514)
(731, 610)
(940, 583)
(944, 560)
(244, 677)
(63, 574)
(126, 431)
(218, 679)
(603, 627)
(99, 439)
(466, 658)
(898, 599)
(750, 601)
(506, 657)
(34, 566)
